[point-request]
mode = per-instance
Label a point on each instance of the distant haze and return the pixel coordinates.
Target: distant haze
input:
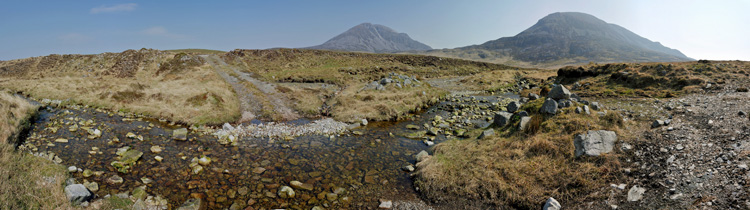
(699, 29)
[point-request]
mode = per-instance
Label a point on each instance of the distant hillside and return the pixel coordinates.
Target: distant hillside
(367, 37)
(568, 38)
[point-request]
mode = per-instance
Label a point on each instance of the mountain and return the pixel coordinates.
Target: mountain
(367, 37)
(569, 38)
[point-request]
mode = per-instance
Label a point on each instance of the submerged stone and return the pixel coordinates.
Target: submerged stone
(180, 134)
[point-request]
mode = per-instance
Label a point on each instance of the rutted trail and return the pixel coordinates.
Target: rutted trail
(258, 99)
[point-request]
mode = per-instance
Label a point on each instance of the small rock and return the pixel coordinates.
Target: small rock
(385, 204)
(595, 106)
(114, 179)
(487, 133)
(657, 123)
(551, 204)
(204, 160)
(742, 113)
(586, 109)
(533, 96)
(422, 155)
(524, 122)
(286, 192)
(180, 134)
(72, 169)
(364, 122)
(191, 204)
(636, 193)
(61, 140)
(77, 194)
(158, 158)
(408, 168)
(156, 149)
(302, 186)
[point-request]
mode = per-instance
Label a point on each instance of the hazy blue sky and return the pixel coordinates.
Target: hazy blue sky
(700, 29)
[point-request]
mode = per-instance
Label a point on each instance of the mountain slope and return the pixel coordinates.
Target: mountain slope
(367, 37)
(569, 38)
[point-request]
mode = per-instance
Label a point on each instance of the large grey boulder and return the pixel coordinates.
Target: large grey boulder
(77, 194)
(551, 204)
(422, 155)
(594, 143)
(559, 92)
(502, 118)
(513, 106)
(549, 107)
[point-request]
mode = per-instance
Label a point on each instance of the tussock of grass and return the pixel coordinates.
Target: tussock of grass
(26, 181)
(522, 169)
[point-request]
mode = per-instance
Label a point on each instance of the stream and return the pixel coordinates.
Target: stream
(344, 171)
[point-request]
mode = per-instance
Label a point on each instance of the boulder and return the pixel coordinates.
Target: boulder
(559, 92)
(77, 194)
(180, 134)
(191, 204)
(524, 122)
(513, 106)
(487, 133)
(549, 107)
(551, 204)
(364, 122)
(594, 142)
(502, 118)
(579, 110)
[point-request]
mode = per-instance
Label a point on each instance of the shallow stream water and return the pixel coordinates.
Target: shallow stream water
(358, 169)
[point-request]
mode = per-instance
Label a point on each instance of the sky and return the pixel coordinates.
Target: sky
(699, 29)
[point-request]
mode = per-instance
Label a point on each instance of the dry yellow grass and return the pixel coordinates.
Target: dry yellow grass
(522, 169)
(26, 181)
(139, 88)
(389, 104)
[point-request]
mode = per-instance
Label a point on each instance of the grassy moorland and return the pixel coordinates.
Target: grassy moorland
(28, 182)
(162, 84)
(349, 72)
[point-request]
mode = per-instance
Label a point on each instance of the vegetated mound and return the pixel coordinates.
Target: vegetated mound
(367, 37)
(146, 81)
(520, 169)
(29, 182)
(650, 79)
(349, 72)
(569, 38)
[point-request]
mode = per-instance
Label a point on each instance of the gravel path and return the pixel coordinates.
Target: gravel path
(251, 104)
